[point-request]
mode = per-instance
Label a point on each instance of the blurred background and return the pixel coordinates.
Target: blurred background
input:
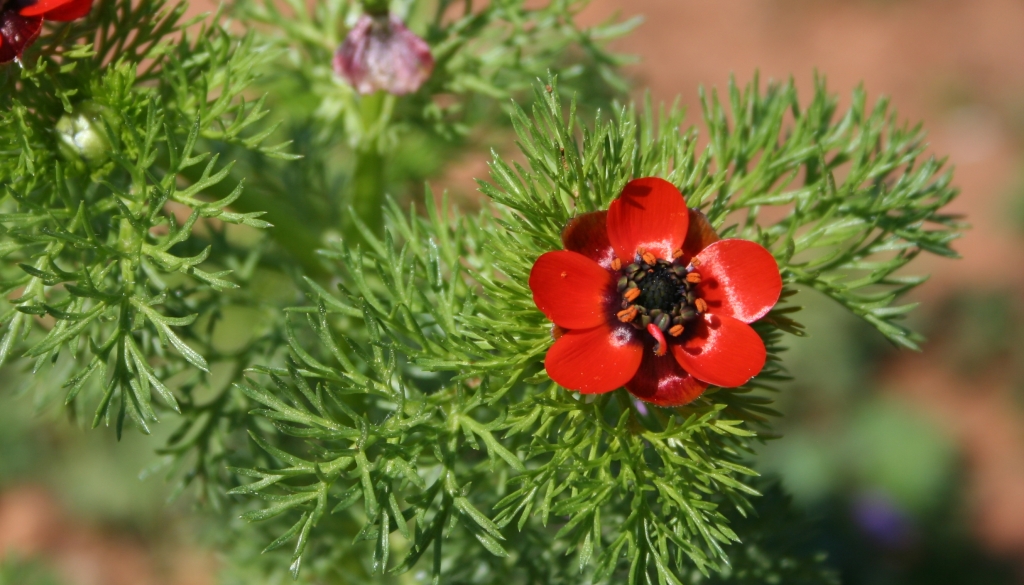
(909, 467)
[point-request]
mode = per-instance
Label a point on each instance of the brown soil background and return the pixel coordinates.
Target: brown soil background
(955, 65)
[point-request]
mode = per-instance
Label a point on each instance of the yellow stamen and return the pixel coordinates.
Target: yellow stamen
(693, 277)
(631, 294)
(676, 330)
(701, 305)
(649, 258)
(677, 254)
(627, 315)
(616, 264)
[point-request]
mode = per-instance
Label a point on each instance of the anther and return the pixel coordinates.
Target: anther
(631, 294)
(676, 330)
(623, 283)
(662, 347)
(701, 305)
(649, 258)
(693, 277)
(663, 321)
(616, 264)
(627, 315)
(695, 262)
(677, 254)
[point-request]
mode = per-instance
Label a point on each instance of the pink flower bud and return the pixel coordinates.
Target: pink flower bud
(380, 53)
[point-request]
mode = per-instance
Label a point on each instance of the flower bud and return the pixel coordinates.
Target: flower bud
(82, 133)
(381, 54)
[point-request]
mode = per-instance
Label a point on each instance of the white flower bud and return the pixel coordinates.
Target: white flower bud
(82, 133)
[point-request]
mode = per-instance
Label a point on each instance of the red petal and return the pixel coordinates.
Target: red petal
(571, 289)
(699, 235)
(594, 361)
(661, 381)
(66, 11)
(650, 214)
(739, 278)
(588, 235)
(722, 351)
(17, 33)
(40, 7)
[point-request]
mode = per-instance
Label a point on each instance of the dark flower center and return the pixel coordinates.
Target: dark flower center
(660, 289)
(658, 292)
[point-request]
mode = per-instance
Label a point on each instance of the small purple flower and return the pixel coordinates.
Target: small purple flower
(882, 520)
(380, 53)
(640, 407)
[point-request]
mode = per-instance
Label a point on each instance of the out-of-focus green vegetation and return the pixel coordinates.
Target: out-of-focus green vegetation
(14, 571)
(95, 481)
(93, 474)
(881, 482)
(841, 434)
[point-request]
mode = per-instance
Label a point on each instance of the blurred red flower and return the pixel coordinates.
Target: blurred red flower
(22, 20)
(647, 296)
(381, 54)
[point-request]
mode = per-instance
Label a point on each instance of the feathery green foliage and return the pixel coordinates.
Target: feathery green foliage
(401, 424)
(437, 414)
(92, 231)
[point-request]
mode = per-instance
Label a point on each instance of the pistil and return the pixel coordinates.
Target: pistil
(662, 347)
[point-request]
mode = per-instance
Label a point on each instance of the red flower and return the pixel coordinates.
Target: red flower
(21, 21)
(381, 54)
(647, 296)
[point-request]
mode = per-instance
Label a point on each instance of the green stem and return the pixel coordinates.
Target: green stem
(130, 244)
(367, 192)
(376, 7)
